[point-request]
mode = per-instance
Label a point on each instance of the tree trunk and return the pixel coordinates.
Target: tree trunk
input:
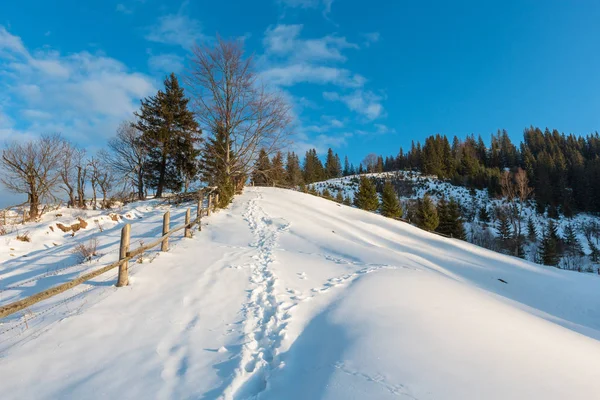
(34, 202)
(140, 185)
(161, 177)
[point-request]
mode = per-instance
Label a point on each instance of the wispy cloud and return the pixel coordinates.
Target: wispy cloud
(177, 30)
(371, 38)
(79, 94)
(166, 63)
(363, 102)
(324, 5)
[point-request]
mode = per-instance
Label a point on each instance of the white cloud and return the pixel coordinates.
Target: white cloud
(283, 40)
(324, 4)
(177, 29)
(166, 63)
(81, 95)
(289, 75)
(365, 103)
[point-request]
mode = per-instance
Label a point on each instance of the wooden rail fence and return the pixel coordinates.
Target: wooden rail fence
(125, 255)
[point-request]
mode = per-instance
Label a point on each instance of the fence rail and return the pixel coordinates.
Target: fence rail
(125, 255)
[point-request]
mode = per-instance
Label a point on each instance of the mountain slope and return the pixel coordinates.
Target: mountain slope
(286, 295)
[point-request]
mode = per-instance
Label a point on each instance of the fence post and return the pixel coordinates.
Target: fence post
(209, 204)
(166, 221)
(199, 212)
(187, 230)
(123, 279)
(216, 200)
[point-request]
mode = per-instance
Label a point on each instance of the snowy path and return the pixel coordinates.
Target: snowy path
(288, 296)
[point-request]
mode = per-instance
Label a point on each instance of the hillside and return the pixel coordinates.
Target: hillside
(412, 185)
(285, 295)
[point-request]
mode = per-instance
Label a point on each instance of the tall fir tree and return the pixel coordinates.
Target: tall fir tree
(313, 170)
(278, 173)
(333, 168)
(170, 135)
(261, 175)
(549, 247)
(213, 166)
(366, 195)
(346, 171)
(293, 172)
(427, 216)
(572, 247)
(390, 204)
(532, 232)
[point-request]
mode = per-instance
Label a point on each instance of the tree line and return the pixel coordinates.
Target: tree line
(211, 131)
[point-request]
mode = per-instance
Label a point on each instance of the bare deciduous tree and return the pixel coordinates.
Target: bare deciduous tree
(370, 162)
(72, 157)
(127, 157)
(227, 95)
(515, 188)
(32, 168)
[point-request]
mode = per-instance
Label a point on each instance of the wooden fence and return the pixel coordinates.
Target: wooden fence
(125, 254)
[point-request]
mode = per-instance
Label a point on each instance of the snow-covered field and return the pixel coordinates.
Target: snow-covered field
(289, 296)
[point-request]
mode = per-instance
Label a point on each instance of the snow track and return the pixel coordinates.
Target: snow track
(265, 316)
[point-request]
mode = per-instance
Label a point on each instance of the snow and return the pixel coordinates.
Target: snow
(285, 295)
(471, 201)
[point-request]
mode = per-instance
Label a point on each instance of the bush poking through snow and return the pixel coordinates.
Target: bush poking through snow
(24, 237)
(86, 251)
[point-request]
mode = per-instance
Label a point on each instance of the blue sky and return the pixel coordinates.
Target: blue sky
(362, 76)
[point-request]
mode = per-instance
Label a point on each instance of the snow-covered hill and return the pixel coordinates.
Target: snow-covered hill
(289, 296)
(415, 186)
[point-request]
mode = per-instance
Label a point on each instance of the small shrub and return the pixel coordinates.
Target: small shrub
(86, 251)
(24, 237)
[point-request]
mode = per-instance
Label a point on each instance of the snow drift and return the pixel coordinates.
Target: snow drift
(289, 296)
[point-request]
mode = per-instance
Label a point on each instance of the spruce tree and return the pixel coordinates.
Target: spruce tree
(170, 135)
(346, 171)
(532, 233)
(390, 204)
(427, 216)
(313, 170)
(333, 169)
(261, 175)
(214, 166)
(347, 200)
(278, 173)
(326, 194)
(484, 216)
(293, 173)
(572, 247)
(503, 228)
(366, 195)
(339, 197)
(549, 253)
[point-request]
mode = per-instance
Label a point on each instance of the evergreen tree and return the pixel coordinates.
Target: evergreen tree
(450, 220)
(427, 216)
(213, 167)
(366, 195)
(326, 194)
(572, 247)
(170, 135)
(347, 201)
(313, 170)
(261, 175)
(549, 251)
(346, 171)
(484, 216)
(532, 233)
(293, 173)
(390, 204)
(277, 173)
(503, 228)
(333, 168)
(594, 251)
(339, 197)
